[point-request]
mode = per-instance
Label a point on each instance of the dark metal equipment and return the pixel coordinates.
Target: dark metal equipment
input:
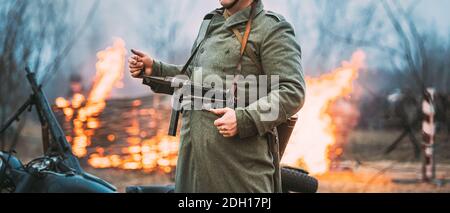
(184, 91)
(58, 171)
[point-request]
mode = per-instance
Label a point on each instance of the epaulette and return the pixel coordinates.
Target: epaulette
(208, 16)
(277, 17)
(212, 13)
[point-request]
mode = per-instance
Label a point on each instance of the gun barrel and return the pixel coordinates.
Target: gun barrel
(178, 83)
(170, 81)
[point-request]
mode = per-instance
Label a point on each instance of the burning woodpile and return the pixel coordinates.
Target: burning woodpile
(128, 134)
(124, 134)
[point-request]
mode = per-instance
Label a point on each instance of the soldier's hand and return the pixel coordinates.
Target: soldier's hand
(140, 64)
(227, 124)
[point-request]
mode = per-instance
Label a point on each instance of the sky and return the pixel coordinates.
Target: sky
(436, 11)
(145, 25)
(433, 11)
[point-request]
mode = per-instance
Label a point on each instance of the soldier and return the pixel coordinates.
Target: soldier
(234, 150)
(76, 85)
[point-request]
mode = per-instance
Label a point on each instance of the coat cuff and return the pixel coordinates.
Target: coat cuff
(156, 68)
(245, 124)
(157, 71)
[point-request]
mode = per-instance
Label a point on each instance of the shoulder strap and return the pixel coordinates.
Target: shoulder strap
(249, 52)
(244, 40)
(203, 28)
(200, 38)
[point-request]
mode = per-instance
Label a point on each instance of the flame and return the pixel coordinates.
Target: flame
(61, 102)
(110, 68)
(109, 71)
(315, 132)
(139, 152)
(149, 156)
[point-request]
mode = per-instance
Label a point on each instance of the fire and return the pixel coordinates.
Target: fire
(140, 152)
(110, 68)
(62, 102)
(315, 132)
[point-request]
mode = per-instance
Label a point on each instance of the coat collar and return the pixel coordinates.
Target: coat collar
(243, 15)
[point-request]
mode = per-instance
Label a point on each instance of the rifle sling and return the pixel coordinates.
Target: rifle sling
(244, 39)
(203, 32)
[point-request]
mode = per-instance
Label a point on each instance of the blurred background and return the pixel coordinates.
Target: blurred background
(371, 66)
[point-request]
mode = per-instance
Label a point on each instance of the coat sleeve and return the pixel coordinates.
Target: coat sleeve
(280, 56)
(161, 69)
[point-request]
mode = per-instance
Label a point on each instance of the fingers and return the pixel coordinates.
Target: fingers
(136, 69)
(133, 60)
(137, 58)
(223, 129)
(228, 134)
(219, 111)
(136, 74)
(226, 124)
(138, 53)
(139, 65)
(136, 66)
(227, 130)
(219, 122)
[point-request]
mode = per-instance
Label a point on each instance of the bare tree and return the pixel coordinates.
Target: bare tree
(407, 52)
(35, 34)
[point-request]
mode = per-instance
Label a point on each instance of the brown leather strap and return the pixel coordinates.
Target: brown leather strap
(244, 40)
(248, 50)
(248, 28)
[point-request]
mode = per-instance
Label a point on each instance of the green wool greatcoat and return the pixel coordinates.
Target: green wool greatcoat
(248, 162)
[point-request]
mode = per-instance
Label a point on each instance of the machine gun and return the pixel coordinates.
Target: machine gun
(217, 97)
(186, 92)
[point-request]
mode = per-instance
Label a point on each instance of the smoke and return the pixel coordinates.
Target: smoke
(166, 30)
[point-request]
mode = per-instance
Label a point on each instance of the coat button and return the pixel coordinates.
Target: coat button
(202, 50)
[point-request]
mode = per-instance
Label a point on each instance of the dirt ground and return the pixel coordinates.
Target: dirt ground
(377, 177)
(384, 177)
(369, 169)
(365, 167)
